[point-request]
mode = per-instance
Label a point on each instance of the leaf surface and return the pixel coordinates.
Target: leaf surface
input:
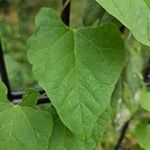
(142, 133)
(134, 14)
(101, 124)
(145, 99)
(30, 97)
(77, 68)
(94, 13)
(22, 127)
(63, 139)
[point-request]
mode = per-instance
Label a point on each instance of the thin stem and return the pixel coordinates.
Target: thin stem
(65, 15)
(3, 71)
(123, 133)
(99, 146)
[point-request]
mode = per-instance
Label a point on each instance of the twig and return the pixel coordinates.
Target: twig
(99, 146)
(65, 15)
(3, 71)
(122, 134)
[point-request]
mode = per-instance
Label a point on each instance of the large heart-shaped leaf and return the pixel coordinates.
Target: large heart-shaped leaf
(134, 14)
(77, 68)
(23, 127)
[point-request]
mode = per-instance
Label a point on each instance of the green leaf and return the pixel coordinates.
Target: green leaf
(107, 18)
(77, 68)
(22, 127)
(101, 124)
(134, 14)
(30, 97)
(134, 64)
(63, 139)
(94, 13)
(137, 147)
(131, 78)
(3, 93)
(142, 133)
(145, 99)
(116, 96)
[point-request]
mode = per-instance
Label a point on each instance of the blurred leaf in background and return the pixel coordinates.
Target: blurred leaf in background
(94, 14)
(142, 133)
(145, 99)
(16, 25)
(131, 80)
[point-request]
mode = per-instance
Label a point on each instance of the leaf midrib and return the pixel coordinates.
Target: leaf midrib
(75, 55)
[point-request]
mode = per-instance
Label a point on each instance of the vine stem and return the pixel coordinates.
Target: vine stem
(3, 71)
(65, 15)
(123, 133)
(99, 147)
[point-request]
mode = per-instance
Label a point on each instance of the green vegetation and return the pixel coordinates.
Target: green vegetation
(91, 71)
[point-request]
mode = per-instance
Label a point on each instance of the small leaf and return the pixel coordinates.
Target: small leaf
(63, 139)
(142, 133)
(145, 99)
(3, 93)
(30, 97)
(77, 68)
(134, 14)
(22, 127)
